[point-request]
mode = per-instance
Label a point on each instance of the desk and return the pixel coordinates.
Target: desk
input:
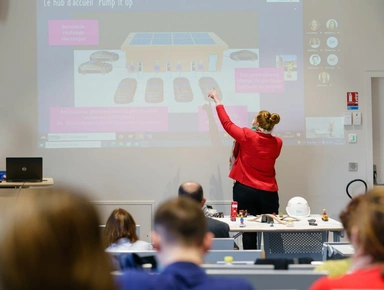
(301, 240)
(45, 182)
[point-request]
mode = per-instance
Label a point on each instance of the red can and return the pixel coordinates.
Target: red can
(233, 210)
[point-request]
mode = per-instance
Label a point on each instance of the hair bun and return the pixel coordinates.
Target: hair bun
(275, 118)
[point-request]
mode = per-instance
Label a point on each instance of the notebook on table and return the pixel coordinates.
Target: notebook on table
(24, 169)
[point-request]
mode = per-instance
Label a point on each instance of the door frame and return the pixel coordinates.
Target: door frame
(367, 123)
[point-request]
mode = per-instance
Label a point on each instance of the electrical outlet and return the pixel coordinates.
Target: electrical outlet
(347, 118)
(356, 119)
(353, 166)
(352, 138)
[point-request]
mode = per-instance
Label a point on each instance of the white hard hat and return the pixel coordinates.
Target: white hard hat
(298, 207)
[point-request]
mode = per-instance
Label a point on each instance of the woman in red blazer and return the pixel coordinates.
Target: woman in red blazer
(255, 188)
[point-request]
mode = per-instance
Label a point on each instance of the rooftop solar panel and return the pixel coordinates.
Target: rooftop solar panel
(140, 42)
(162, 35)
(161, 41)
(204, 41)
(169, 38)
(182, 41)
(200, 35)
(181, 35)
(143, 35)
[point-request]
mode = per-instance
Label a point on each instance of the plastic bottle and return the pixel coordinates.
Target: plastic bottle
(233, 210)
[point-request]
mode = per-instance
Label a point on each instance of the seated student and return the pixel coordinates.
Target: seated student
(120, 233)
(51, 240)
(367, 228)
(181, 239)
(194, 191)
(340, 267)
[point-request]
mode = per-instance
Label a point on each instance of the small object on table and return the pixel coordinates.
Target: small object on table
(241, 213)
(324, 216)
(242, 225)
(289, 223)
(233, 210)
(218, 215)
(228, 260)
(312, 222)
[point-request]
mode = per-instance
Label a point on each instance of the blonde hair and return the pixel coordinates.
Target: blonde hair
(267, 120)
(52, 240)
(120, 224)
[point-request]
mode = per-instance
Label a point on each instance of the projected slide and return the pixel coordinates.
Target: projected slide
(129, 73)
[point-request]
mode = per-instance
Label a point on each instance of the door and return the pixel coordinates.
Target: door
(377, 86)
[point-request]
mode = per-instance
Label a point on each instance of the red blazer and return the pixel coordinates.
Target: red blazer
(369, 278)
(255, 163)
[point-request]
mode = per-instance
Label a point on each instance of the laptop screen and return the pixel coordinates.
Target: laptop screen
(24, 169)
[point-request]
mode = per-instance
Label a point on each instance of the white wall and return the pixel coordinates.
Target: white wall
(317, 173)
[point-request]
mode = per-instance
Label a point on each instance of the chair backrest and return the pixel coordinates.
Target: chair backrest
(309, 267)
(271, 279)
(134, 261)
(222, 244)
(285, 245)
(337, 250)
(236, 267)
(130, 259)
(140, 253)
(216, 256)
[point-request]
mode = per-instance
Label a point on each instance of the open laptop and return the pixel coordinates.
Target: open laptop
(24, 169)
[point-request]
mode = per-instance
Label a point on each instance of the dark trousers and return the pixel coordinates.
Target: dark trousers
(256, 202)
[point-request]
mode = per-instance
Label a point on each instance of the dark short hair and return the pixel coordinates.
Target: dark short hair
(196, 194)
(181, 221)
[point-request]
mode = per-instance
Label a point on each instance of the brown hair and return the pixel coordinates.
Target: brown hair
(347, 213)
(369, 221)
(52, 240)
(120, 224)
(267, 120)
(181, 221)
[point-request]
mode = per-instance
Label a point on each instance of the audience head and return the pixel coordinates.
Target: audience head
(367, 232)
(192, 190)
(347, 213)
(265, 120)
(120, 224)
(51, 240)
(180, 222)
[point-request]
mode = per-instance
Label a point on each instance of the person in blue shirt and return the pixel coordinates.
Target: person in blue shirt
(181, 238)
